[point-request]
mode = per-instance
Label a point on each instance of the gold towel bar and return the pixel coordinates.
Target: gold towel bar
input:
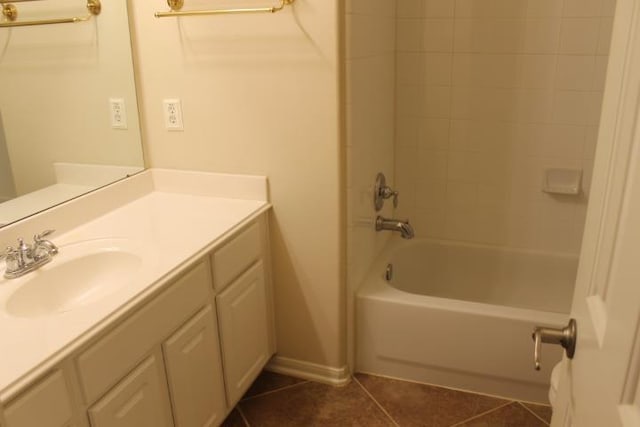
(10, 13)
(176, 5)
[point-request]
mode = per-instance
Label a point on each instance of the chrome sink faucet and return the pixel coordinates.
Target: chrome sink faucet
(405, 229)
(25, 257)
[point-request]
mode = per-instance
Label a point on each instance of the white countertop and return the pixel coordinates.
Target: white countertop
(165, 223)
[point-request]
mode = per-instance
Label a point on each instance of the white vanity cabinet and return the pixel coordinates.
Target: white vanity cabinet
(244, 308)
(48, 403)
(194, 372)
(140, 399)
(182, 358)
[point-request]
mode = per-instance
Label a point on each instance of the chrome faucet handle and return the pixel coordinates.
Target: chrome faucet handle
(382, 192)
(41, 244)
(9, 251)
(11, 259)
(40, 237)
(388, 192)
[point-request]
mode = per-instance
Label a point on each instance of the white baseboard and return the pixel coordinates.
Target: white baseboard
(309, 371)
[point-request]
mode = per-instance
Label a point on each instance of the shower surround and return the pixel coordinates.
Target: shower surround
(489, 94)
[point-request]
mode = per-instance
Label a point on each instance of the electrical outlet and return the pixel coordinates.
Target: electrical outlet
(118, 113)
(172, 114)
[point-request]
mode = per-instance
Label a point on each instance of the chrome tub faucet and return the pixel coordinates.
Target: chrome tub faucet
(405, 229)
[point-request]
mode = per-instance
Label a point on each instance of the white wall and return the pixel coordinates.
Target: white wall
(370, 109)
(56, 81)
(490, 93)
(260, 96)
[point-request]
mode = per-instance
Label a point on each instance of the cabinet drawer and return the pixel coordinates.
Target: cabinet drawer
(121, 349)
(236, 256)
(138, 400)
(46, 404)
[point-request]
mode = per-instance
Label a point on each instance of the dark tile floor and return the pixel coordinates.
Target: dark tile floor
(279, 400)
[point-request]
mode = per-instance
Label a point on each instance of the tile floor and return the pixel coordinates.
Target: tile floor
(278, 400)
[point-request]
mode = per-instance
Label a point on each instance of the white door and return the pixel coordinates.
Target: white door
(244, 330)
(600, 387)
(194, 372)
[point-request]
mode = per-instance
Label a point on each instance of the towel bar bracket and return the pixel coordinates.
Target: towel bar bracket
(175, 4)
(9, 11)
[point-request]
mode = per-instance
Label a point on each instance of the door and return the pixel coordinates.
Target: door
(244, 330)
(194, 372)
(47, 403)
(600, 386)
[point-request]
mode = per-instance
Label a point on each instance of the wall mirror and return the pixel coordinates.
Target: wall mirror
(68, 109)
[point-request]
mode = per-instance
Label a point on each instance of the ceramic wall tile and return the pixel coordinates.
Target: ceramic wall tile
(489, 95)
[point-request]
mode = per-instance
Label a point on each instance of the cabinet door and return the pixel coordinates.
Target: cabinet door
(194, 372)
(139, 400)
(46, 404)
(244, 331)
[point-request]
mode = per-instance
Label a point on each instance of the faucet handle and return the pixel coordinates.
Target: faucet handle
(11, 259)
(8, 252)
(41, 236)
(388, 192)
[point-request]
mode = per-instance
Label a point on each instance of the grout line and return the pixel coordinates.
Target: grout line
(246, 421)
(273, 391)
(376, 401)
(482, 414)
(533, 413)
(493, 396)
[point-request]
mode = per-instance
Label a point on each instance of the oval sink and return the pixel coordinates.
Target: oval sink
(67, 284)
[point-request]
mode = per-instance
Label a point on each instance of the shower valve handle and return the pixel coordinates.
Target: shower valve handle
(566, 337)
(388, 193)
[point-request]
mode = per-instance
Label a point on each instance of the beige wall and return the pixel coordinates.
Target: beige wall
(370, 109)
(56, 81)
(260, 96)
(489, 94)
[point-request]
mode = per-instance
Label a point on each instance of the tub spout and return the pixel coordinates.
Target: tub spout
(405, 229)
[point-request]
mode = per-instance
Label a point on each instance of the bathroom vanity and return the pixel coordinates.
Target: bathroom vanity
(183, 329)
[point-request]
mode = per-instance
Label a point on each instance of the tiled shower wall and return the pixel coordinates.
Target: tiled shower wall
(489, 94)
(370, 108)
(370, 111)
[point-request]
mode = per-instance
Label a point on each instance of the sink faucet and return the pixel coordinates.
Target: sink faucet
(25, 257)
(405, 229)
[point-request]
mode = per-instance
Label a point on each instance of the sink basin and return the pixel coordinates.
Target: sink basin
(76, 278)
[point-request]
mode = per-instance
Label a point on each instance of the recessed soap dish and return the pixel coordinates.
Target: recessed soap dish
(562, 181)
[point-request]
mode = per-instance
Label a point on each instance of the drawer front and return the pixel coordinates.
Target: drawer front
(46, 404)
(138, 400)
(194, 372)
(236, 256)
(121, 349)
(244, 331)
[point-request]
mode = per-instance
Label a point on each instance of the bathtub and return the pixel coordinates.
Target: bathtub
(461, 316)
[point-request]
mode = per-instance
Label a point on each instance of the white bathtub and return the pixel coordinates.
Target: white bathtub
(461, 316)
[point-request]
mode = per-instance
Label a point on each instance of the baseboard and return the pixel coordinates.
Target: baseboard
(309, 371)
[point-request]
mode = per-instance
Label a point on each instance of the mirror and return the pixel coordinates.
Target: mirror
(68, 110)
